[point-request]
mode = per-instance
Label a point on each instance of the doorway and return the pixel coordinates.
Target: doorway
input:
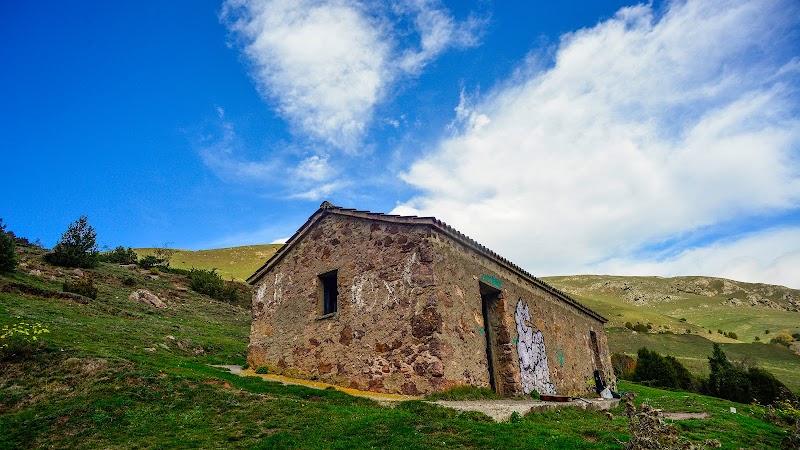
(489, 299)
(598, 363)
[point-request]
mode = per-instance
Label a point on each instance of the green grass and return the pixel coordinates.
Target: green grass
(233, 262)
(693, 352)
(464, 393)
(666, 302)
(95, 385)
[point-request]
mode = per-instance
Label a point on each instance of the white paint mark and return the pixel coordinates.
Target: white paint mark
(262, 290)
(364, 287)
(533, 367)
(277, 295)
(408, 268)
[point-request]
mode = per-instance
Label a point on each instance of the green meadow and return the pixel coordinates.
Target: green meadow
(113, 373)
(236, 263)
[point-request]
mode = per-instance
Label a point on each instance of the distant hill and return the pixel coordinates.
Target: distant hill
(685, 314)
(232, 262)
(698, 304)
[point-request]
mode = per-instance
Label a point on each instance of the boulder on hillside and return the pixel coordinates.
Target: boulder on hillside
(146, 297)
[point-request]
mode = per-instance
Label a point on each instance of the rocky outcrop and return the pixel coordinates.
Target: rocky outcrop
(146, 297)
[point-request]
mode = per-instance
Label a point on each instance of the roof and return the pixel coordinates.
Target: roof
(326, 208)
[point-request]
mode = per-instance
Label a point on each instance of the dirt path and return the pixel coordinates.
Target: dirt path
(499, 410)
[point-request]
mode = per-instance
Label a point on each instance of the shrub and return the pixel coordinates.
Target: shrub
(535, 395)
(119, 255)
(150, 261)
(129, 281)
(623, 365)
(742, 385)
(177, 271)
(628, 325)
(164, 253)
(209, 282)
(262, 370)
(653, 369)
(83, 286)
(782, 339)
(731, 335)
(8, 251)
(21, 339)
(686, 381)
(640, 328)
(77, 247)
(796, 336)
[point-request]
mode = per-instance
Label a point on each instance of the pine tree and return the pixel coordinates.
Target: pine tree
(77, 247)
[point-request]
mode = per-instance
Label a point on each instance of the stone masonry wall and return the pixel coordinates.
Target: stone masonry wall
(541, 342)
(382, 337)
(409, 317)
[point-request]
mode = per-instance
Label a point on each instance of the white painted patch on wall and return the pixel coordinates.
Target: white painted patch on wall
(533, 367)
(408, 268)
(261, 291)
(277, 293)
(364, 287)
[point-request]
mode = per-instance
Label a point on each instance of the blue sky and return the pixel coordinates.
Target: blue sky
(582, 137)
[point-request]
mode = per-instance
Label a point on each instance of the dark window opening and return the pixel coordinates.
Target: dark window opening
(330, 292)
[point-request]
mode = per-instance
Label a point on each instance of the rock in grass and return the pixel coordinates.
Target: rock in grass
(146, 297)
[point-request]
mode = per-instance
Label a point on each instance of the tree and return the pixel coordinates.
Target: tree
(8, 251)
(742, 384)
(119, 255)
(77, 247)
(652, 369)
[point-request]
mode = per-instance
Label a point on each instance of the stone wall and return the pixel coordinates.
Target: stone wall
(410, 316)
(381, 337)
(541, 342)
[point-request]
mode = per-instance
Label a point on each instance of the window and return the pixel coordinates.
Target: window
(330, 292)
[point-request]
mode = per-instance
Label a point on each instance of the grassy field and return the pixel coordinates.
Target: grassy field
(118, 374)
(685, 314)
(698, 304)
(233, 262)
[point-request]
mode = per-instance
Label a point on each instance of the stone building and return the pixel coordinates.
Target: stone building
(406, 304)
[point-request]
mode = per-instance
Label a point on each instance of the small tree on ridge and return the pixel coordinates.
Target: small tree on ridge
(77, 247)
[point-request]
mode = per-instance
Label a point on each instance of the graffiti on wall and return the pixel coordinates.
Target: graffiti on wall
(533, 367)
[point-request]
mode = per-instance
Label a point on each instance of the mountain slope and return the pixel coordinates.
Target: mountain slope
(232, 262)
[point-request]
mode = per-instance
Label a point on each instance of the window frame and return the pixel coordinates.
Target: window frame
(329, 286)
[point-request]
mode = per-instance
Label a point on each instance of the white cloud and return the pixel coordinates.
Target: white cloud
(643, 129)
(323, 62)
(328, 63)
(438, 31)
(771, 256)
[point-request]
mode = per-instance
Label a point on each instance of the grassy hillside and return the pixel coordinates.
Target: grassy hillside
(669, 305)
(113, 373)
(233, 262)
(685, 314)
